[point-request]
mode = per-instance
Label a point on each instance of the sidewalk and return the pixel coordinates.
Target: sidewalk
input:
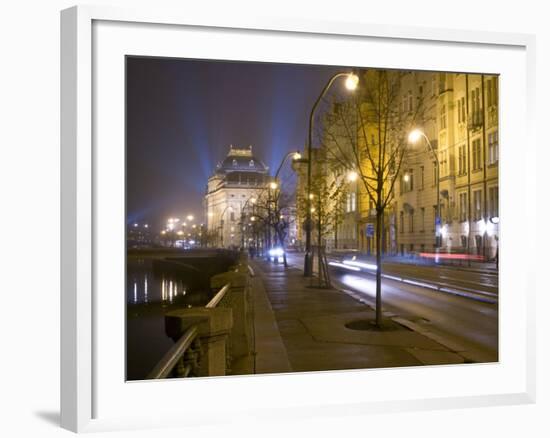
(299, 328)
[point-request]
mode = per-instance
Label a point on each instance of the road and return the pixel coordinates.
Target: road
(468, 326)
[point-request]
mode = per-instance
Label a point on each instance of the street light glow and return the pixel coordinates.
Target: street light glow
(406, 177)
(352, 81)
(190, 217)
(415, 135)
(273, 185)
(352, 176)
(297, 155)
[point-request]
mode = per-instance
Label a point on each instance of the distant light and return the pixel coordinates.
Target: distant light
(311, 196)
(163, 232)
(253, 200)
(135, 225)
(180, 233)
(146, 225)
(176, 219)
(297, 155)
(312, 209)
(352, 81)
(281, 217)
(190, 217)
(253, 218)
(276, 252)
(352, 176)
(194, 226)
(406, 177)
(273, 185)
(210, 214)
(415, 135)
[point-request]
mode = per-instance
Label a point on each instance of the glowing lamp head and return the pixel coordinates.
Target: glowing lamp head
(296, 155)
(253, 200)
(406, 177)
(273, 185)
(352, 81)
(190, 217)
(415, 135)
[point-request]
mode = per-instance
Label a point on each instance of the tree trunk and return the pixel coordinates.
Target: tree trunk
(379, 218)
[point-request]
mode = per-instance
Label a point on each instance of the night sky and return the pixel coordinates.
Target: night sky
(182, 115)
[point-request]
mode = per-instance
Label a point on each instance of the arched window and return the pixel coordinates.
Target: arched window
(251, 163)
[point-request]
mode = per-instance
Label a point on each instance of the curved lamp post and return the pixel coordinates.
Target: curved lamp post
(351, 83)
(414, 136)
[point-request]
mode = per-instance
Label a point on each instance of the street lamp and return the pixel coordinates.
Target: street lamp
(352, 81)
(414, 136)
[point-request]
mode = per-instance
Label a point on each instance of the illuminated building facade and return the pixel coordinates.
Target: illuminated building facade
(235, 183)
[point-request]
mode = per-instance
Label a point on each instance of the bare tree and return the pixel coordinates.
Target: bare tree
(368, 134)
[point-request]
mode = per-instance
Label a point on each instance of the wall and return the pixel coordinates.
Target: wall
(29, 180)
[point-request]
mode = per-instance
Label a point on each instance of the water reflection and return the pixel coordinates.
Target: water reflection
(144, 287)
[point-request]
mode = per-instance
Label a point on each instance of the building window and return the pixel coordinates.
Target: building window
(434, 85)
(493, 147)
(493, 201)
(443, 117)
(463, 206)
(461, 110)
(421, 177)
(464, 241)
(477, 205)
(462, 159)
(232, 216)
(476, 154)
(492, 92)
(410, 101)
(422, 218)
(401, 221)
(411, 222)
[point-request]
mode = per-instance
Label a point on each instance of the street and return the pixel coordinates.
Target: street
(468, 325)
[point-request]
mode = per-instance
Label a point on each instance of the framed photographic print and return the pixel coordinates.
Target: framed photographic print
(269, 218)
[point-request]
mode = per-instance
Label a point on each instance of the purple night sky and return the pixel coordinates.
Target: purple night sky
(182, 115)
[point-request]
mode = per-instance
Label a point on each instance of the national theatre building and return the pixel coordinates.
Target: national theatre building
(233, 187)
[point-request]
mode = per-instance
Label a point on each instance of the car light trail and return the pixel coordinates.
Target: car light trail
(360, 264)
(344, 266)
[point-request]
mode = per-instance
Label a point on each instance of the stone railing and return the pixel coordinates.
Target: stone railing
(214, 340)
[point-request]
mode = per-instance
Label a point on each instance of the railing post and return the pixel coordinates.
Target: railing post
(214, 326)
(237, 298)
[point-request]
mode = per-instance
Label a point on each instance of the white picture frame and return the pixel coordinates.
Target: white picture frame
(81, 373)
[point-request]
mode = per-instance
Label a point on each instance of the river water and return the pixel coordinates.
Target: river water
(148, 298)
